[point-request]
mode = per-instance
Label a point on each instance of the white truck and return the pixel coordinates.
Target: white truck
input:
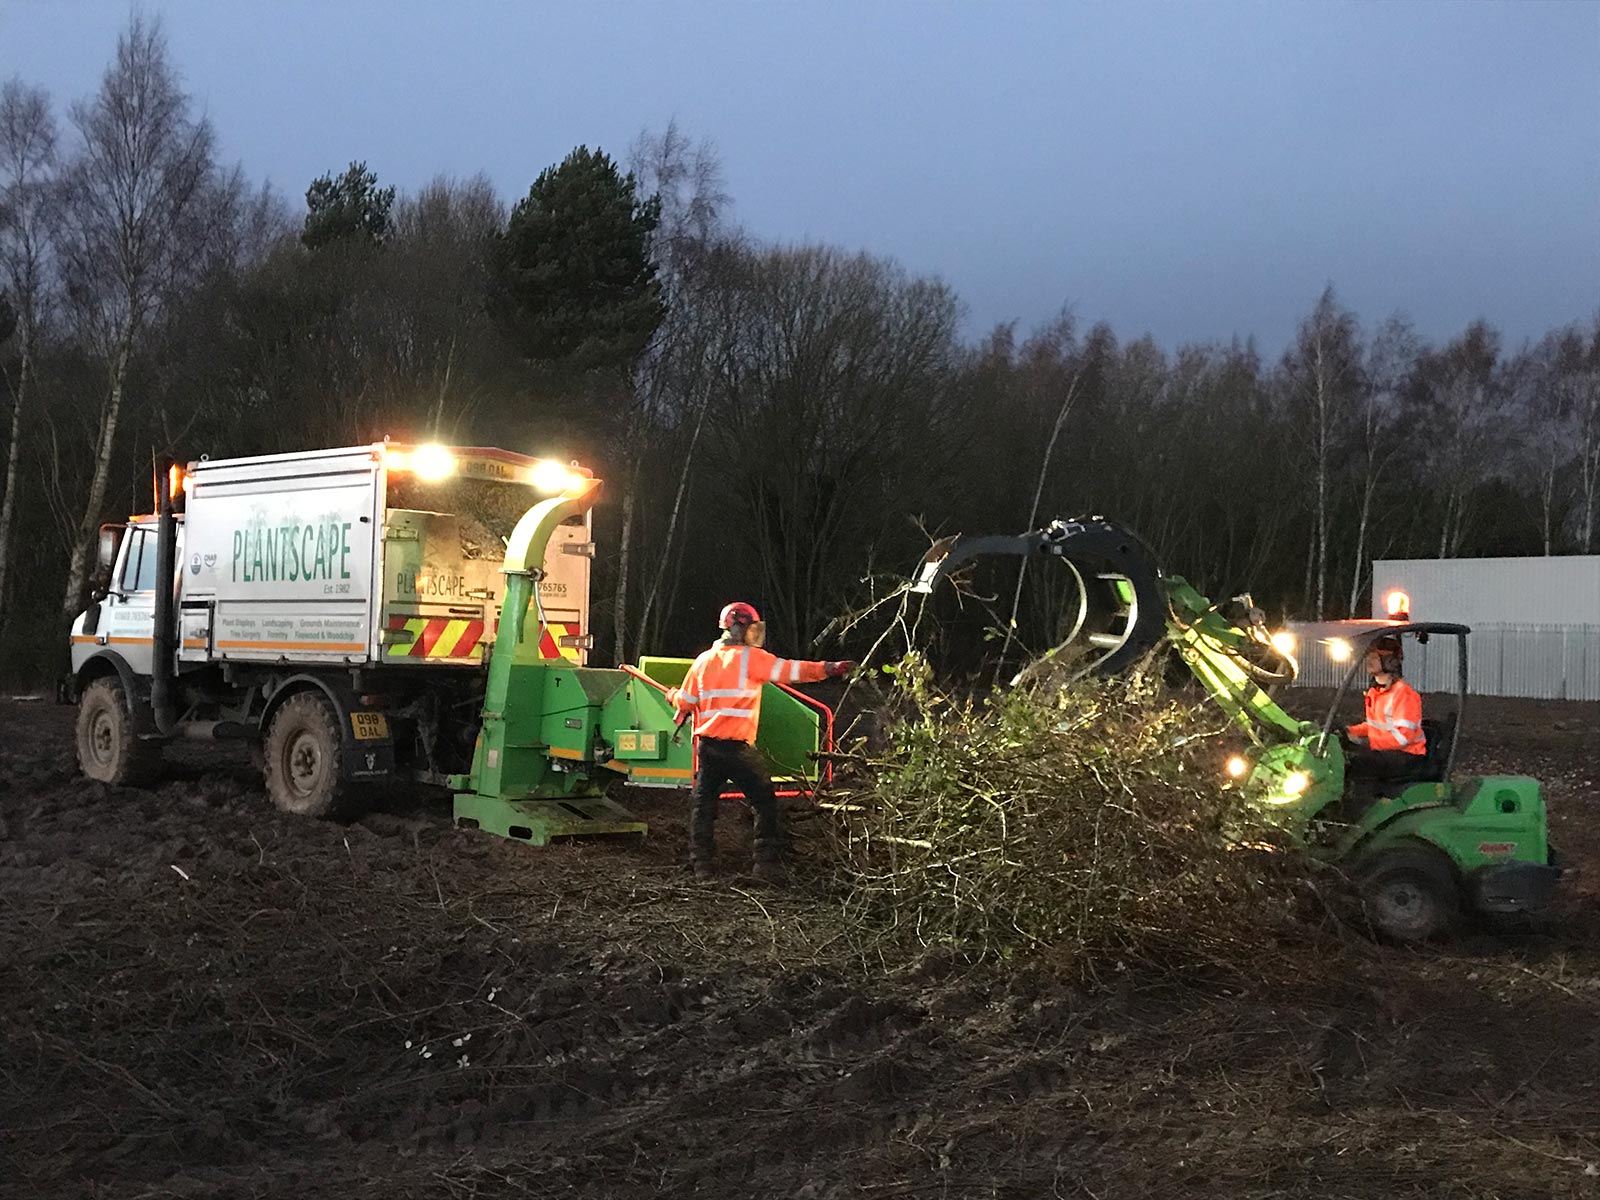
(332, 609)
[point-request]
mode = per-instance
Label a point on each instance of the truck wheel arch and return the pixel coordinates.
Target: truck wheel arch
(103, 663)
(292, 687)
(107, 663)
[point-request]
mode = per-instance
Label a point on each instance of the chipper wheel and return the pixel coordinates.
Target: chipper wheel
(303, 752)
(1410, 894)
(108, 748)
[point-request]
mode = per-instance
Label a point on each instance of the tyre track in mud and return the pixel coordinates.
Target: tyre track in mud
(392, 1008)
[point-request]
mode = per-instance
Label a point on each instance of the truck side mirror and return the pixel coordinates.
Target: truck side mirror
(110, 542)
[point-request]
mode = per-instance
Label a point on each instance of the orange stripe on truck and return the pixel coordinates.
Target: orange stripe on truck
(314, 647)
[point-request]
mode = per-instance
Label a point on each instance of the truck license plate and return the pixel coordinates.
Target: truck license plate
(369, 726)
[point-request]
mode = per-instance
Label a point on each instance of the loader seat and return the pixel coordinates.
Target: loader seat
(1441, 735)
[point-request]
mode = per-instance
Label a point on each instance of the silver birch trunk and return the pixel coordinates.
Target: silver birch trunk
(672, 527)
(78, 573)
(1358, 573)
(8, 506)
(620, 603)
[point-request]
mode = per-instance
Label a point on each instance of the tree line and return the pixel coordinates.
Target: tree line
(782, 423)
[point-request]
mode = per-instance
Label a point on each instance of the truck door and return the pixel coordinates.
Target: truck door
(127, 620)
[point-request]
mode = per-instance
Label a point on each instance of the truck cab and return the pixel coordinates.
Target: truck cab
(120, 620)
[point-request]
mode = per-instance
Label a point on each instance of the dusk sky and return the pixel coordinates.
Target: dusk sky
(1190, 170)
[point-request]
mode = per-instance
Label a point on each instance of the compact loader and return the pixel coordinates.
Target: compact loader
(1423, 849)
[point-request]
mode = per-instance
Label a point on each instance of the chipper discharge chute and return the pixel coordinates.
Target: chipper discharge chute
(1422, 847)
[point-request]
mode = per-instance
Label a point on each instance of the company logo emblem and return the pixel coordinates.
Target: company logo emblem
(1496, 847)
(372, 762)
(194, 565)
(211, 562)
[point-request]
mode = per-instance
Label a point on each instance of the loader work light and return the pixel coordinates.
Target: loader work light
(1398, 605)
(1237, 766)
(1338, 649)
(1296, 782)
(1283, 642)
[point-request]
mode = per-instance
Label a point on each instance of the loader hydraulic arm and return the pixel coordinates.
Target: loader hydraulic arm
(1125, 607)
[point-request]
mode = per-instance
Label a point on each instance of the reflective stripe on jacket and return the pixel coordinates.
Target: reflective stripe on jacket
(1394, 719)
(723, 688)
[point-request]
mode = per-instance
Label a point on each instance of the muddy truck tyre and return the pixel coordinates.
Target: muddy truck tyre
(108, 748)
(1410, 895)
(304, 749)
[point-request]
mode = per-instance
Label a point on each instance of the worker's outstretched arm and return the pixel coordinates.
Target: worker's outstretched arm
(769, 668)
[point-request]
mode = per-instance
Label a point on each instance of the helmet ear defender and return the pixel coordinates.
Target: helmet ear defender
(1391, 658)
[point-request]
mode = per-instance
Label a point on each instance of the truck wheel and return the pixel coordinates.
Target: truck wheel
(108, 748)
(303, 751)
(1410, 895)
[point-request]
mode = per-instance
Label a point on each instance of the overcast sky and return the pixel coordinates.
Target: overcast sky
(1192, 170)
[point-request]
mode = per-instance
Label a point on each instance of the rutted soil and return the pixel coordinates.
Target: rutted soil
(201, 998)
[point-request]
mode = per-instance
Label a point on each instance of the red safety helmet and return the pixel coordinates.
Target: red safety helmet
(738, 613)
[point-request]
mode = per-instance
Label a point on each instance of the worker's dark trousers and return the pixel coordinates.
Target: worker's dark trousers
(1362, 763)
(724, 760)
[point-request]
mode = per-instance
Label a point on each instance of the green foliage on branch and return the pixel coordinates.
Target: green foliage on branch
(1089, 823)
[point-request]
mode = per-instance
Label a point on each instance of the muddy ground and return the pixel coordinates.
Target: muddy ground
(201, 998)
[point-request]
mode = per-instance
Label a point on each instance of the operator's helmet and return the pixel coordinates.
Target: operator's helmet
(738, 613)
(1391, 654)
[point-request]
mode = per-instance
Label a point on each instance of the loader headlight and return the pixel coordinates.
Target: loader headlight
(1237, 766)
(1283, 642)
(550, 476)
(1295, 782)
(1338, 650)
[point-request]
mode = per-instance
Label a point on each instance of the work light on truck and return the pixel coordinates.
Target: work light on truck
(549, 476)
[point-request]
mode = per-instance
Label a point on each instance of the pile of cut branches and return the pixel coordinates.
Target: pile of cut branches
(1088, 821)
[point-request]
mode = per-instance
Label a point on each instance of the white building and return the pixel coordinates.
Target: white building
(1535, 625)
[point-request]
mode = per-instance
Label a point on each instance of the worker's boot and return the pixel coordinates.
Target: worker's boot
(702, 862)
(771, 873)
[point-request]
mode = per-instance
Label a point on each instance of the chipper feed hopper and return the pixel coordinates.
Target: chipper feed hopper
(1422, 848)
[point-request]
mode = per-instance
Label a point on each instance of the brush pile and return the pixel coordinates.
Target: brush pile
(1089, 822)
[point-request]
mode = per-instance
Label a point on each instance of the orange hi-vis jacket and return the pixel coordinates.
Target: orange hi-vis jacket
(1394, 719)
(723, 688)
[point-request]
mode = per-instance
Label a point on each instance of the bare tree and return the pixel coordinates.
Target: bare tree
(133, 193)
(1390, 359)
(27, 181)
(673, 380)
(1323, 370)
(1468, 443)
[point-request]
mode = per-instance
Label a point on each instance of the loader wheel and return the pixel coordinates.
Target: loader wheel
(303, 755)
(108, 748)
(1410, 895)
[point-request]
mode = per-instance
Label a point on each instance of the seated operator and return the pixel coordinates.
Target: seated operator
(1389, 743)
